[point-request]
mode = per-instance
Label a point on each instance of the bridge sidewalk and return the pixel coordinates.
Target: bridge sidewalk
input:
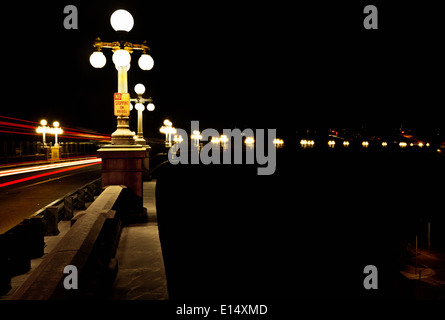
(141, 273)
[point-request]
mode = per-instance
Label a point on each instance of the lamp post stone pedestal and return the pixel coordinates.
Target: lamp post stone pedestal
(124, 165)
(55, 152)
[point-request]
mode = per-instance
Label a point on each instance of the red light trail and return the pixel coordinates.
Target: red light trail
(10, 172)
(27, 129)
(84, 163)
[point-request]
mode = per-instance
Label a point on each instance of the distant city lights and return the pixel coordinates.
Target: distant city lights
(307, 143)
(278, 142)
(250, 140)
(196, 136)
(177, 138)
(168, 130)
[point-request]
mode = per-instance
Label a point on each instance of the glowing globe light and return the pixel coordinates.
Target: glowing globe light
(150, 107)
(178, 138)
(98, 60)
(139, 88)
(196, 135)
(139, 107)
(122, 20)
(146, 62)
(279, 142)
(121, 58)
(250, 140)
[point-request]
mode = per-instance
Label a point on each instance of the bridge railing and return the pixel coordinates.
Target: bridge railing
(25, 241)
(90, 246)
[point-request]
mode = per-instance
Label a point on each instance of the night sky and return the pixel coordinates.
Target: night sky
(265, 64)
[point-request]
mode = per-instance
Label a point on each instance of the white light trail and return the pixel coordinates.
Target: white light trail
(11, 172)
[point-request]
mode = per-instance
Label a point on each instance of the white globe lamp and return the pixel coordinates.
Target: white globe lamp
(139, 107)
(121, 58)
(146, 62)
(98, 60)
(139, 88)
(122, 20)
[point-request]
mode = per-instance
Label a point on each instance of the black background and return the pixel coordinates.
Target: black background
(273, 64)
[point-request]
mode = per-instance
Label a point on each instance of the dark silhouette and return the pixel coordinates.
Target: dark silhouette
(308, 231)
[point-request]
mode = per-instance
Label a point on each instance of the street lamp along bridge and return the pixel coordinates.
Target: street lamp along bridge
(122, 22)
(123, 161)
(56, 130)
(139, 106)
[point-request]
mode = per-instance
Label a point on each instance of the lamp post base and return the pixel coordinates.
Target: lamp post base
(124, 165)
(119, 139)
(55, 152)
(123, 135)
(140, 140)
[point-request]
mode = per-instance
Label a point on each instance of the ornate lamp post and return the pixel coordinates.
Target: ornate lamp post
(56, 130)
(121, 21)
(139, 106)
(196, 136)
(55, 150)
(43, 129)
(123, 162)
(168, 130)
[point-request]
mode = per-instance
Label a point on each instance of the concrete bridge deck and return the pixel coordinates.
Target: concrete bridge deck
(141, 274)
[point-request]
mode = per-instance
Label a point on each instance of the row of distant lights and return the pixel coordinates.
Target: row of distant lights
(308, 143)
(222, 139)
(365, 144)
(249, 140)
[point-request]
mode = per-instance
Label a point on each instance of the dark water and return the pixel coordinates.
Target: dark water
(307, 231)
